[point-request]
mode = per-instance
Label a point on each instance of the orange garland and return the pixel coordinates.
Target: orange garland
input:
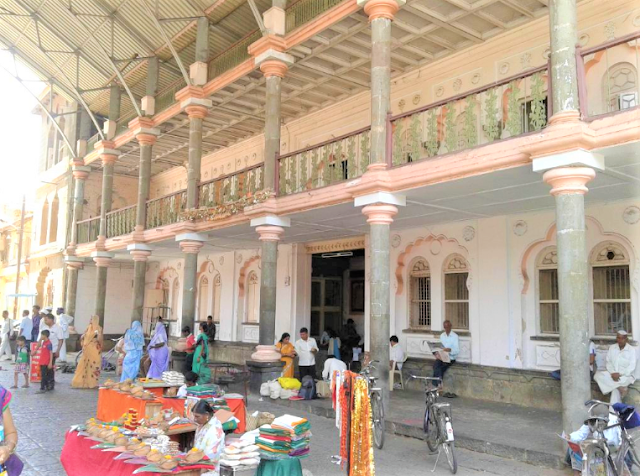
(361, 461)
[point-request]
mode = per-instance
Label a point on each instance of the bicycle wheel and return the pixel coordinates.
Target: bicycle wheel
(596, 463)
(448, 446)
(377, 415)
(431, 429)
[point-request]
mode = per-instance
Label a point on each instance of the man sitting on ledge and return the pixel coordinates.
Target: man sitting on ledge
(450, 345)
(619, 373)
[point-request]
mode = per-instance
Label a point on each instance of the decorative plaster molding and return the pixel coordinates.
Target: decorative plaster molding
(396, 240)
(343, 244)
(520, 227)
(225, 210)
(631, 215)
(243, 273)
(468, 233)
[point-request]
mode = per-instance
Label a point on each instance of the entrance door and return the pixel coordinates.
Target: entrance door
(326, 304)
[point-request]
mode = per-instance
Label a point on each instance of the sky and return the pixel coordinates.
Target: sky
(19, 135)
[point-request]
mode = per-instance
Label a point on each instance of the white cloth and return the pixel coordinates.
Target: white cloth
(306, 358)
(65, 320)
(5, 348)
(26, 326)
(55, 334)
(618, 361)
(612, 435)
(182, 391)
(592, 351)
(396, 354)
(452, 342)
(330, 365)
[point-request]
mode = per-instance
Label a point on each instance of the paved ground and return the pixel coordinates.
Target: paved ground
(43, 419)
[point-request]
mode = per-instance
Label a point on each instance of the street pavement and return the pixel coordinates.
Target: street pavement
(42, 421)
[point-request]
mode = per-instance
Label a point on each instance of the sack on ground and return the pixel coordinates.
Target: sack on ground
(274, 389)
(264, 389)
(308, 389)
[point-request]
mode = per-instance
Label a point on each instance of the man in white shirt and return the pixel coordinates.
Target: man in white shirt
(5, 334)
(331, 365)
(451, 345)
(56, 336)
(396, 354)
(620, 367)
(64, 320)
(26, 326)
(306, 348)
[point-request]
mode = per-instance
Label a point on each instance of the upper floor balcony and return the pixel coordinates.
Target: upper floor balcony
(492, 127)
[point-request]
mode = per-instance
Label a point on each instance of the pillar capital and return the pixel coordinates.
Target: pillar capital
(266, 43)
(139, 251)
(146, 138)
(80, 172)
(569, 180)
(274, 63)
(196, 111)
(380, 213)
(73, 262)
(143, 126)
(270, 232)
(102, 259)
(381, 8)
(191, 247)
(108, 159)
(105, 145)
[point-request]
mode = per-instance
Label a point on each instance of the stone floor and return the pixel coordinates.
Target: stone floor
(43, 419)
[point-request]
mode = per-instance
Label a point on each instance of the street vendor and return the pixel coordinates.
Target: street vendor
(209, 435)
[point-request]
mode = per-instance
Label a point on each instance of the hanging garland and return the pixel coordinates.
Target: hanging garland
(225, 210)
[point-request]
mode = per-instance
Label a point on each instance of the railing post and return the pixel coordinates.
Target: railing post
(389, 141)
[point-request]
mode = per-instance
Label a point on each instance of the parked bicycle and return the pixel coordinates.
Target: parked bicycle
(437, 425)
(377, 408)
(109, 359)
(598, 458)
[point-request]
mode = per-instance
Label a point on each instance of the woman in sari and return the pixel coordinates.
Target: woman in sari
(201, 356)
(288, 352)
(88, 369)
(209, 435)
(9, 440)
(133, 347)
(158, 352)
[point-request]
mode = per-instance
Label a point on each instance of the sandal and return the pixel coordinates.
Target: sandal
(13, 386)
(449, 395)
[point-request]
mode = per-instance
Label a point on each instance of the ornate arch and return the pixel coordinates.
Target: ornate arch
(40, 285)
(549, 240)
(243, 274)
(164, 274)
(426, 240)
(206, 267)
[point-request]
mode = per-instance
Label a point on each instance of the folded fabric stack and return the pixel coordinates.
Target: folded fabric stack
(173, 378)
(210, 390)
(240, 455)
(287, 437)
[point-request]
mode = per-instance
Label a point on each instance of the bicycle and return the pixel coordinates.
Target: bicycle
(109, 359)
(437, 424)
(377, 408)
(597, 457)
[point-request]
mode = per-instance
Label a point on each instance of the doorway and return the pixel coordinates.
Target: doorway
(337, 291)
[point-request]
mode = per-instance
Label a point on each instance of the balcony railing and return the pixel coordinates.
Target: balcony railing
(121, 222)
(166, 210)
(608, 77)
(232, 57)
(504, 109)
(304, 11)
(343, 158)
(88, 230)
(232, 187)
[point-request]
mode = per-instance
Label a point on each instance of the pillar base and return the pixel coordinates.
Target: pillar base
(266, 353)
(262, 372)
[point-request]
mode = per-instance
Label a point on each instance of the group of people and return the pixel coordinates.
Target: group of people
(197, 348)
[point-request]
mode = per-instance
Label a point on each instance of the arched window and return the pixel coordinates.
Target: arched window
(456, 293)
(620, 87)
(215, 298)
(203, 297)
(548, 304)
(53, 221)
(253, 304)
(44, 223)
(175, 293)
(611, 289)
(420, 289)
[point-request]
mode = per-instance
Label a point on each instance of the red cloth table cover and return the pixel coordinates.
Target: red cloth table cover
(112, 404)
(175, 404)
(236, 405)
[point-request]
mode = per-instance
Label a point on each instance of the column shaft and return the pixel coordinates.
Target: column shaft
(144, 181)
(72, 289)
(189, 289)
(101, 293)
(107, 191)
(380, 86)
(272, 130)
(564, 37)
(78, 206)
(268, 280)
(195, 159)
(139, 275)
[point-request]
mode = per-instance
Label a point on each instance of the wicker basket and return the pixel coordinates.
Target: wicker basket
(254, 422)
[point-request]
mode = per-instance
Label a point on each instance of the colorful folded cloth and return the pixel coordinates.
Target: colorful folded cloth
(299, 453)
(273, 444)
(267, 436)
(272, 450)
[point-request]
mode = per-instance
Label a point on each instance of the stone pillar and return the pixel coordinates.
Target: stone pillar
(199, 68)
(564, 38)
(269, 237)
(140, 253)
(273, 62)
(108, 161)
(80, 174)
(102, 260)
(111, 124)
(380, 216)
(381, 13)
(196, 115)
(569, 187)
(74, 265)
(190, 244)
(149, 99)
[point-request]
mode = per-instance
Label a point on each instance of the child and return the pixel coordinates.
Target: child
(45, 362)
(22, 362)
(190, 379)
